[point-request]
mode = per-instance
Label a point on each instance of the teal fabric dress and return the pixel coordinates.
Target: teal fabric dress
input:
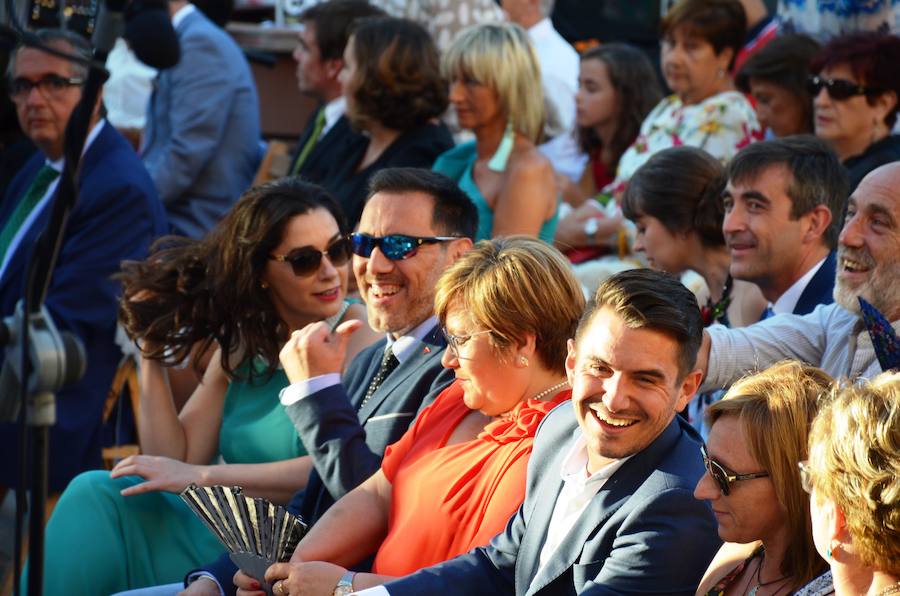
(457, 164)
(99, 542)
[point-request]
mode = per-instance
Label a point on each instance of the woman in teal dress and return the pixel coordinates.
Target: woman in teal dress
(278, 261)
(495, 89)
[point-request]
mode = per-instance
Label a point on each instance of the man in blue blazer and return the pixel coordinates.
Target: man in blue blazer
(783, 211)
(346, 422)
(116, 216)
(608, 504)
(202, 138)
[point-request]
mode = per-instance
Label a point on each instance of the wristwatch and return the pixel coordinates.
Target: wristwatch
(344, 586)
(590, 230)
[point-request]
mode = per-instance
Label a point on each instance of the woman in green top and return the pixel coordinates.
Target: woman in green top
(277, 262)
(495, 89)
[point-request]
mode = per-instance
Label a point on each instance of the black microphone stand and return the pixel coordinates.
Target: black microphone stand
(32, 319)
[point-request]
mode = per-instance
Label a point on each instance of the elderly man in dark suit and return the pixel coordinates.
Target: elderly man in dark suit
(608, 505)
(116, 217)
(414, 225)
(202, 139)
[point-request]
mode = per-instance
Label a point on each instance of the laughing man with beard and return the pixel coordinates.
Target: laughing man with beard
(832, 336)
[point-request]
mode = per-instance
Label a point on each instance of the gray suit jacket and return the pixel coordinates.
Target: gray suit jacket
(202, 139)
(643, 533)
(347, 442)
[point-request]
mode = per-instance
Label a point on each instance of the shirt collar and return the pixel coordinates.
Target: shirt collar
(182, 12)
(788, 301)
(58, 163)
(334, 109)
(404, 346)
(541, 29)
(574, 466)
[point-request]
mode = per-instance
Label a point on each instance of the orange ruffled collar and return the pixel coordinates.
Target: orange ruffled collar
(523, 420)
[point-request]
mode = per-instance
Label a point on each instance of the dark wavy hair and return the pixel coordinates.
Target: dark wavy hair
(196, 292)
(872, 57)
(682, 188)
(398, 79)
(632, 76)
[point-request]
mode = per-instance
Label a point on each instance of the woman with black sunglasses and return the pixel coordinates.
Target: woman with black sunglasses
(855, 90)
(758, 433)
(277, 262)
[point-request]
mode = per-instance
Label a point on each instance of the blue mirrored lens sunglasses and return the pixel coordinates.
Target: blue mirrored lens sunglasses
(396, 247)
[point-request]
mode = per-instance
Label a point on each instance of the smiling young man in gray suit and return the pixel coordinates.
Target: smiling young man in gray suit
(608, 506)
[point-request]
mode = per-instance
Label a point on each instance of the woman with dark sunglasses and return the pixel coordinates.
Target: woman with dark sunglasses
(855, 90)
(277, 262)
(757, 435)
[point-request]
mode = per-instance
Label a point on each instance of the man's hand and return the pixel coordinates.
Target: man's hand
(160, 473)
(313, 578)
(314, 350)
(202, 586)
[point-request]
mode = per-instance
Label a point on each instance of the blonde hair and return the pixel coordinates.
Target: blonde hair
(513, 286)
(854, 449)
(500, 56)
(775, 408)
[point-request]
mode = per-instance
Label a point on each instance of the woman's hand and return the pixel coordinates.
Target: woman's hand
(313, 578)
(160, 473)
(247, 585)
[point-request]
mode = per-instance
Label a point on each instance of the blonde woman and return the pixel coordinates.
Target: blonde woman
(757, 433)
(495, 88)
(853, 476)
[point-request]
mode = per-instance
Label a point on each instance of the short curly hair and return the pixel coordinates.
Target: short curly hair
(398, 79)
(853, 455)
(872, 58)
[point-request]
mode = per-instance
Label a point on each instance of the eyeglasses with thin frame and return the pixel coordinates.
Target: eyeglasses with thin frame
(396, 247)
(50, 85)
(722, 476)
(806, 480)
(306, 260)
(837, 89)
(456, 342)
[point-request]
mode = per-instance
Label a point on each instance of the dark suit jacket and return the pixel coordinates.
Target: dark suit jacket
(642, 533)
(820, 288)
(116, 217)
(202, 140)
(346, 444)
(325, 152)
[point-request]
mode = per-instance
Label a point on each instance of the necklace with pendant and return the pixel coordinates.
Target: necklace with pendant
(762, 584)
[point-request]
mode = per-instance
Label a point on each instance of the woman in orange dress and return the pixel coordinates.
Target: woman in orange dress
(454, 479)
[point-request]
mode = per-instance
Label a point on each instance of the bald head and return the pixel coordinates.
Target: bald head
(869, 245)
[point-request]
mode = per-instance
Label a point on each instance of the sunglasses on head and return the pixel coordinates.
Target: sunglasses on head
(306, 260)
(722, 476)
(396, 247)
(838, 89)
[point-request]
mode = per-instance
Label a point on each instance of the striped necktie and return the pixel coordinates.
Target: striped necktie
(318, 127)
(388, 363)
(45, 177)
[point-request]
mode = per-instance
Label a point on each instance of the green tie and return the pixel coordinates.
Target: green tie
(310, 142)
(45, 176)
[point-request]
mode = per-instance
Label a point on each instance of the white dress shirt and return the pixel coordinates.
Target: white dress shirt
(787, 302)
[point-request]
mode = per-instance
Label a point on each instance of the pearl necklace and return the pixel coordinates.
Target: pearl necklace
(550, 390)
(890, 590)
(544, 393)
